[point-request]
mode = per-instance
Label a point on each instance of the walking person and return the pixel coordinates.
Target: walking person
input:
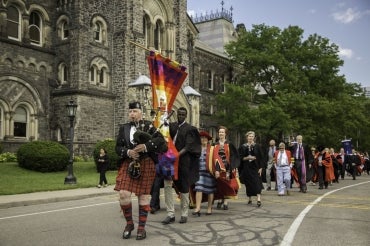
(137, 171)
(250, 168)
(283, 164)
(187, 142)
(205, 187)
(323, 162)
(301, 153)
(270, 164)
(103, 164)
(224, 161)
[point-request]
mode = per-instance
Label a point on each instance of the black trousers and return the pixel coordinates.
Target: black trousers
(322, 172)
(155, 192)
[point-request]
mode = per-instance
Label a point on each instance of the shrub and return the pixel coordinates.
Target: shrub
(43, 156)
(110, 146)
(8, 157)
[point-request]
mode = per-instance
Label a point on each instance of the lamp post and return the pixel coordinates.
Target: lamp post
(71, 113)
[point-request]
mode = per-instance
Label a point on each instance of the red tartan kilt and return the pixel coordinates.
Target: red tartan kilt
(140, 186)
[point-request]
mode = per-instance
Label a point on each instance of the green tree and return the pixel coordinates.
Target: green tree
(288, 85)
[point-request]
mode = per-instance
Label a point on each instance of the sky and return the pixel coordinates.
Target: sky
(344, 22)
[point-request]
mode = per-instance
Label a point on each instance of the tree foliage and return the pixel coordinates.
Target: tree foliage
(288, 85)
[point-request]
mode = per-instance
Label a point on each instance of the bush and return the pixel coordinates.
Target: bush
(110, 146)
(8, 157)
(43, 156)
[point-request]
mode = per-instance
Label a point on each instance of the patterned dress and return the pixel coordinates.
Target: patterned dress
(206, 183)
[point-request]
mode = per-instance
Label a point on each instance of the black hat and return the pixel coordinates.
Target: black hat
(133, 105)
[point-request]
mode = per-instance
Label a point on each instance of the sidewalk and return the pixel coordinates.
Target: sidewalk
(8, 201)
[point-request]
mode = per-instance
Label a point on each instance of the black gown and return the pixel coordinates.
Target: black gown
(248, 170)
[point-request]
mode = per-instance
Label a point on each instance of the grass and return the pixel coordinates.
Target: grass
(16, 180)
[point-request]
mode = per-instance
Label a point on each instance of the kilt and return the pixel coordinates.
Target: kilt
(140, 186)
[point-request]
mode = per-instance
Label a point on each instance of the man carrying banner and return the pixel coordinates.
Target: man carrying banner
(187, 142)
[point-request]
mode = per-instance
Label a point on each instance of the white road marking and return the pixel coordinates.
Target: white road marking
(56, 210)
(289, 236)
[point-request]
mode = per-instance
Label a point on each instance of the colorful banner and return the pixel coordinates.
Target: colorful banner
(167, 78)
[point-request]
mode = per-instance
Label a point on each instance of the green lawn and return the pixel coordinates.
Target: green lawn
(16, 180)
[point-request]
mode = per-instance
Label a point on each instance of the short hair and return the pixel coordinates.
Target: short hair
(183, 109)
(282, 144)
(249, 133)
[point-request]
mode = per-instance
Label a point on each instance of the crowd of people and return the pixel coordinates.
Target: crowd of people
(212, 172)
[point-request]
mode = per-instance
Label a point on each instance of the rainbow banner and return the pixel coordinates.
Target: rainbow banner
(167, 78)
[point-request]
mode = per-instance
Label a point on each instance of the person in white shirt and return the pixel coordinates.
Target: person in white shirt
(283, 164)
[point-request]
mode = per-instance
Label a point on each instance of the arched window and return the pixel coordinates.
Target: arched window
(146, 31)
(100, 30)
(20, 122)
(13, 25)
(93, 74)
(101, 76)
(63, 73)
(157, 36)
(34, 29)
(97, 32)
(65, 30)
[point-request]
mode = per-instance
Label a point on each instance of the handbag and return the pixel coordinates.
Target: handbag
(234, 181)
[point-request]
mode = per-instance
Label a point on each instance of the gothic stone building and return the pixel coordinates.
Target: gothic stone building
(94, 53)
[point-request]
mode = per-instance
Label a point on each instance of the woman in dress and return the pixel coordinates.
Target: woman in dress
(224, 160)
(206, 185)
(250, 168)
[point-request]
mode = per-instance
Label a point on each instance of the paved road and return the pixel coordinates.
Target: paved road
(339, 215)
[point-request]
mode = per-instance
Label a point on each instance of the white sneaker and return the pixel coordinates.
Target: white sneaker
(105, 185)
(99, 186)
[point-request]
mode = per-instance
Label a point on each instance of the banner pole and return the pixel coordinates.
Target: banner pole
(139, 45)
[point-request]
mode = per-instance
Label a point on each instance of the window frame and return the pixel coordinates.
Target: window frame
(24, 124)
(18, 24)
(37, 26)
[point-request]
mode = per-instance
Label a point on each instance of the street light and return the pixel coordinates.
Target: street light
(71, 113)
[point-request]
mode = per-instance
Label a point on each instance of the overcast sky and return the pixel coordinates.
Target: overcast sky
(344, 22)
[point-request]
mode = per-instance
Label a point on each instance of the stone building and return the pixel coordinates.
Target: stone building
(94, 53)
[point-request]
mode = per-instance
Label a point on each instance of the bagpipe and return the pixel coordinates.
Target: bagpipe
(166, 77)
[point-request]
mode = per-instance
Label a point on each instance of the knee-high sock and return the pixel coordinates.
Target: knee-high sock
(143, 215)
(127, 213)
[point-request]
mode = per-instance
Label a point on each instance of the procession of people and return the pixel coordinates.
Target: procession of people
(212, 172)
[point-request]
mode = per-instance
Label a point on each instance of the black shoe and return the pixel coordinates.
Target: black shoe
(268, 188)
(196, 213)
(141, 234)
(127, 232)
(219, 205)
(320, 188)
(226, 207)
(183, 220)
(249, 202)
(168, 220)
(259, 203)
(154, 210)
